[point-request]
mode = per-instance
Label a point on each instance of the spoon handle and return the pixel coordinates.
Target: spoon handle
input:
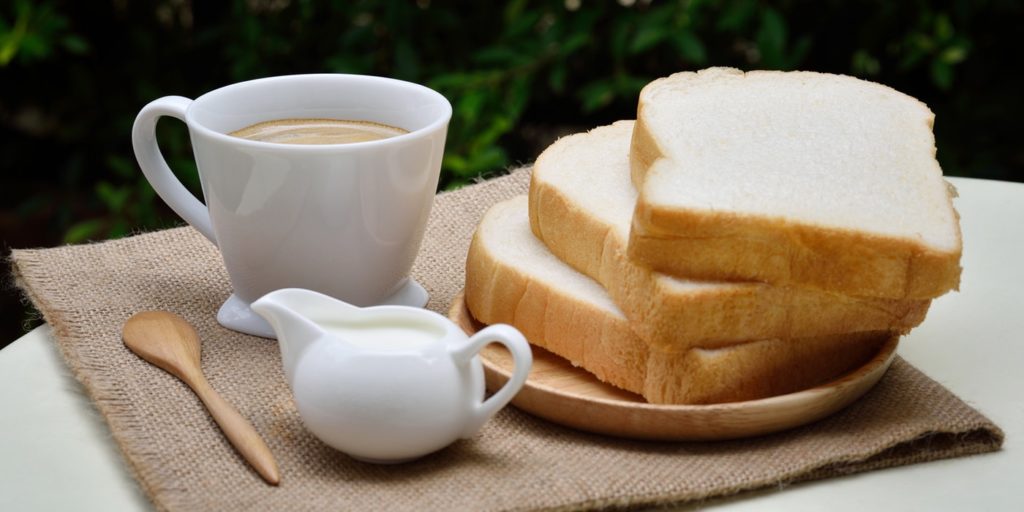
(239, 431)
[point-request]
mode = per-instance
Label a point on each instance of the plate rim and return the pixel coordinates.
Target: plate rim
(866, 376)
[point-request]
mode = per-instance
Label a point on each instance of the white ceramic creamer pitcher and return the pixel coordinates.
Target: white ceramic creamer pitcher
(386, 383)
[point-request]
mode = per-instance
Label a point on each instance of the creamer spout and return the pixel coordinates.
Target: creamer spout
(288, 313)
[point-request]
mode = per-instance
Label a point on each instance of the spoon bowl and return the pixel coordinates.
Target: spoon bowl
(172, 344)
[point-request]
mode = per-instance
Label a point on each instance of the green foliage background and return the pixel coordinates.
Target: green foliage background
(74, 74)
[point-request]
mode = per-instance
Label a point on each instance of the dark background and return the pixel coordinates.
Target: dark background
(74, 74)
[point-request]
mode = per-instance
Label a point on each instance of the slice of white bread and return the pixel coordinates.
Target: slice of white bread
(801, 178)
(581, 204)
(512, 278)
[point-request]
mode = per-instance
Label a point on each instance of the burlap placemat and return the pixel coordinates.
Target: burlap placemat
(183, 462)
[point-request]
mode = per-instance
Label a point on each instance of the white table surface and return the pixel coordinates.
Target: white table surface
(56, 452)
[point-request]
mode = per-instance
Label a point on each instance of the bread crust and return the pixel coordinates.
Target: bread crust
(728, 246)
(498, 291)
(723, 245)
(711, 317)
(643, 149)
(550, 318)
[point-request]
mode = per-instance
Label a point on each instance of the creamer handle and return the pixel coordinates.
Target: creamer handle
(166, 185)
(522, 359)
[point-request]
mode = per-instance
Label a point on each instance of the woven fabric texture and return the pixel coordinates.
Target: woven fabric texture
(183, 462)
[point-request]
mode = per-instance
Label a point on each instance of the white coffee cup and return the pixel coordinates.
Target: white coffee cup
(345, 220)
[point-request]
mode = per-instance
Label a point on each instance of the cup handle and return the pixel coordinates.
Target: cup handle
(522, 359)
(166, 185)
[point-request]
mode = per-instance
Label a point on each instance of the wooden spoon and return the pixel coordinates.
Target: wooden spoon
(169, 342)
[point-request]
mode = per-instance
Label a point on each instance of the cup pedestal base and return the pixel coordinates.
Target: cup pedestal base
(236, 315)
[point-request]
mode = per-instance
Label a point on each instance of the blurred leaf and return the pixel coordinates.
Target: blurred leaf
(487, 159)
(461, 80)
(628, 86)
(455, 163)
(954, 54)
(494, 55)
(406, 62)
(122, 166)
(798, 53)
(737, 15)
(522, 24)
(186, 171)
(690, 47)
(75, 44)
(943, 27)
(513, 9)
(575, 42)
(922, 41)
(518, 97)
(34, 47)
(82, 231)
(37, 29)
(647, 37)
(113, 197)
(596, 95)
(863, 64)
(911, 59)
(619, 41)
(469, 105)
(498, 126)
(556, 80)
(118, 229)
(771, 38)
(144, 204)
(11, 37)
(652, 28)
(942, 74)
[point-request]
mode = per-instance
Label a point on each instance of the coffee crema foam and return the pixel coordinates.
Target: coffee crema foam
(317, 131)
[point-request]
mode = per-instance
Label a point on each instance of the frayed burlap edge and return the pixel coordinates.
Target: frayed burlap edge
(106, 397)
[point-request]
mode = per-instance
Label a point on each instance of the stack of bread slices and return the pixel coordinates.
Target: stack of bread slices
(749, 235)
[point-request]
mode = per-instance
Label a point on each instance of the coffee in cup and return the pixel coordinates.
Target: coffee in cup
(318, 131)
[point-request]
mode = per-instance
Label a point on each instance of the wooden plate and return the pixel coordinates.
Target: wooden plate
(570, 396)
